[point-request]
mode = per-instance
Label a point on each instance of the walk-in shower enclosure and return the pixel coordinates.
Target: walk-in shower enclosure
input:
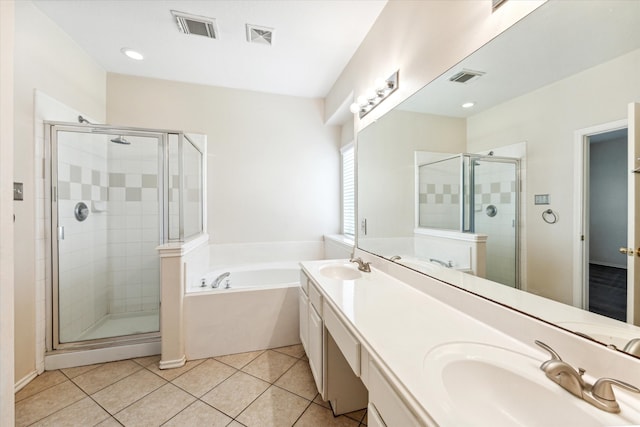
(115, 195)
(475, 194)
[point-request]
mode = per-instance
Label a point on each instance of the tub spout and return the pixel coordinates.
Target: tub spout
(219, 279)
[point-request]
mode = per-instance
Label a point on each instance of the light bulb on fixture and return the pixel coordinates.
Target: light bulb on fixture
(372, 97)
(380, 84)
(370, 94)
(354, 108)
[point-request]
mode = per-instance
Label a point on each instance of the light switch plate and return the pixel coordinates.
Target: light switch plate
(541, 199)
(17, 191)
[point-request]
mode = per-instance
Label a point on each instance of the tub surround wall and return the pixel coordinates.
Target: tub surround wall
(259, 252)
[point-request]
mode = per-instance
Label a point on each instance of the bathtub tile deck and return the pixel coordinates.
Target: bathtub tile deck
(260, 388)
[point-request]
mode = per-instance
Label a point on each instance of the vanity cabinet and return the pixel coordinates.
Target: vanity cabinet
(334, 352)
(386, 407)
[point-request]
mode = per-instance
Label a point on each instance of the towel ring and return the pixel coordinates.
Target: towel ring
(549, 216)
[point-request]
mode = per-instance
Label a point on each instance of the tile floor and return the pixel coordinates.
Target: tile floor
(262, 388)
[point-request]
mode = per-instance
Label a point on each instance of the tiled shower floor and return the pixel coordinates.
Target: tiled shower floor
(262, 388)
(114, 325)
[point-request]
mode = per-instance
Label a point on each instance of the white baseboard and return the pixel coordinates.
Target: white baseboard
(24, 381)
(169, 364)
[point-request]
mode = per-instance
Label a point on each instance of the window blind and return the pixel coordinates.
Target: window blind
(348, 191)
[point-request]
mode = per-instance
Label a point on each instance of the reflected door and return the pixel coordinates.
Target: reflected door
(495, 213)
(106, 210)
(633, 242)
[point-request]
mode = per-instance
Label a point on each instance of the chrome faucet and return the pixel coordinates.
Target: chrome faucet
(395, 258)
(633, 347)
(600, 394)
(448, 264)
(220, 278)
(362, 266)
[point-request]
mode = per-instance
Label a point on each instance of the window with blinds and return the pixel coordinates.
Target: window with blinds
(348, 191)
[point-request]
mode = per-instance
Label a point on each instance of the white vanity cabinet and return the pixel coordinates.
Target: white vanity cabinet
(333, 352)
(386, 407)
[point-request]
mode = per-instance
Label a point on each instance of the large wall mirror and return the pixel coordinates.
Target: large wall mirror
(527, 184)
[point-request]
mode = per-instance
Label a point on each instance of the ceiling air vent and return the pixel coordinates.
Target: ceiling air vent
(465, 76)
(259, 35)
(198, 25)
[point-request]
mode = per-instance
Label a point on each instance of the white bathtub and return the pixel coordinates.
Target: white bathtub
(258, 311)
(250, 277)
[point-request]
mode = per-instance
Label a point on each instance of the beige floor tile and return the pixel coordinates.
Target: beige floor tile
(316, 416)
(270, 365)
(172, 374)
(239, 360)
(199, 414)
(105, 375)
(357, 415)
(235, 393)
(84, 412)
(321, 402)
(299, 380)
(109, 422)
(146, 361)
(41, 382)
(234, 423)
(155, 408)
(204, 377)
(365, 420)
(274, 408)
(292, 350)
(123, 393)
(45, 403)
(79, 370)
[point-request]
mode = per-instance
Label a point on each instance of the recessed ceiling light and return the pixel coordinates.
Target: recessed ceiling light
(468, 104)
(132, 54)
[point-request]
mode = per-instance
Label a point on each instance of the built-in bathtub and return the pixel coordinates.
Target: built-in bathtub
(258, 310)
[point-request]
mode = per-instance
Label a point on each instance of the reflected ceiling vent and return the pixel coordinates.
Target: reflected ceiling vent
(198, 25)
(259, 35)
(466, 76)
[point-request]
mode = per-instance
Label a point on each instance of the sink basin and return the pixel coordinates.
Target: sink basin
(340, 271)
(476, 385)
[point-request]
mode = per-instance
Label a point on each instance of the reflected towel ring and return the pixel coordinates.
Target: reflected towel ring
(549, 216)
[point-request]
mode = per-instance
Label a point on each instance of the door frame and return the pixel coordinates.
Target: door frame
(581, 208)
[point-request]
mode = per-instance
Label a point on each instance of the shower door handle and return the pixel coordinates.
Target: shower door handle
(60, 233)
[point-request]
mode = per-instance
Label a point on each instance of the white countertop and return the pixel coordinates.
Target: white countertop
(399, 325)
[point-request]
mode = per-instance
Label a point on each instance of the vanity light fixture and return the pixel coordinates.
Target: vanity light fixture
(133, 54)
(468, 104)
(372, 97)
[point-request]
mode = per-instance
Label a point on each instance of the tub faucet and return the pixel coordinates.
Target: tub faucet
(633, 347)
(447, 264)
(362, 266)
(220, 278)
(395, 258)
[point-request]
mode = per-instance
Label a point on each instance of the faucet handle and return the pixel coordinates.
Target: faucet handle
(602, 388)
(552, 352)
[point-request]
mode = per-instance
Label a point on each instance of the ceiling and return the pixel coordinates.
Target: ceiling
(313, 40)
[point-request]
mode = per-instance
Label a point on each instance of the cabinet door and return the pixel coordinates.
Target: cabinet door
(303, 304)
(315, 347)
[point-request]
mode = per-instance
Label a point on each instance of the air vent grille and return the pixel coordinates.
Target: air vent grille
(198, 25)
(259, 35)
(465, 76)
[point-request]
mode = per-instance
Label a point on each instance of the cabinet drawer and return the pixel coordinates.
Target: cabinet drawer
(316, 298)
(348, 344)
(389, 405)
(304, 282)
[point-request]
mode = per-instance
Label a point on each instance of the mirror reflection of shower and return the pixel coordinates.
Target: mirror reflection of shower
(473, 193)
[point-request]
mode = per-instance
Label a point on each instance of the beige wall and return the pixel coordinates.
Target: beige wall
(273, 165)
(558, 110)
(422, 39)
(6, 214)
(48, 60)
(386, 173)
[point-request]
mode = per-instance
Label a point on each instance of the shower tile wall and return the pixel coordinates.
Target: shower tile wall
(439, 198)
(495, 185)
(83, 281)
(133, 226)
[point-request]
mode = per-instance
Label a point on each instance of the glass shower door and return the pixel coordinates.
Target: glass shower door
(106, 209)
(495, 213)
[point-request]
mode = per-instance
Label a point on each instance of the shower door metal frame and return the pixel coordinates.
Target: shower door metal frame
(51, 181)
